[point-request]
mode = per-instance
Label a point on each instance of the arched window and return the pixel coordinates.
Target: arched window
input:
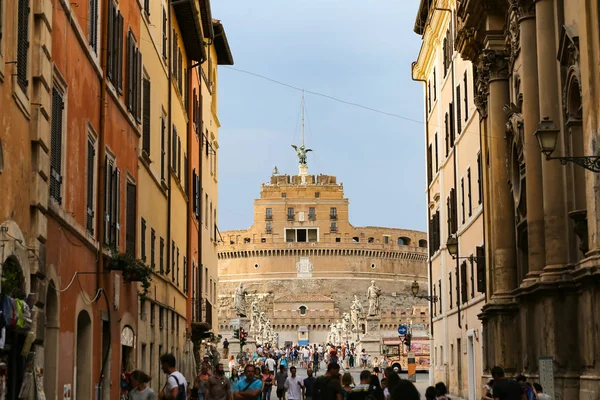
(403, 241)
(83, 388)
(422, 243)
(371, 240)
(246, 240)
(302, 310)
(355, 239)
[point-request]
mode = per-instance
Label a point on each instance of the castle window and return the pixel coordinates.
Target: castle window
(355, 239)
(246, 240)
(283, 195)
(386, 239)
(317, 195)
(338, 240)
(422, 243)
(371, 240)
(302, 310)
(403, 241)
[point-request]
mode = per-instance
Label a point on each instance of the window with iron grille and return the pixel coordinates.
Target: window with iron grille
(143, 240)
(114, 52)
(130, 234)
(161, 256)
(152, 247)
(134, 77)
(146, 118)
(112, 190)
(91, 163)
(164, 34)
(23, 44)
(56, 145)
(185, 275)
(93, 24)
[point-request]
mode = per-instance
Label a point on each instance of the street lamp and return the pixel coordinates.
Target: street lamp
(452, 246)
(547, 136)
(415, 291)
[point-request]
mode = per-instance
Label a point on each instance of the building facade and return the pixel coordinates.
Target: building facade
(455, 203)
(303, 262)
(534, 65)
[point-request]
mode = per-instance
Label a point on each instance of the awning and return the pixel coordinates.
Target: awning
(188, 18)
(224, 56)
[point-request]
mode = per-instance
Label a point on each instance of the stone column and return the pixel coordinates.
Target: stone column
(494, 64)
(555, 229)
(531, 150)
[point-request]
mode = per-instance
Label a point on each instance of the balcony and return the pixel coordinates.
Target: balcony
(333, 217)
(291, 217)
(269, 230)
(268, 217)
(312, 217)
(333, 229)
(202, 311)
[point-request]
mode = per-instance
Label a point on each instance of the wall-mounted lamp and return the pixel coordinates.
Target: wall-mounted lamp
(415, 291)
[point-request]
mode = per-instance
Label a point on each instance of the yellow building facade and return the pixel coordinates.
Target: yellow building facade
(455, 202)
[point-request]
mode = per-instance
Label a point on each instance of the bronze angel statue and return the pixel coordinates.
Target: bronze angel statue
(301, 151)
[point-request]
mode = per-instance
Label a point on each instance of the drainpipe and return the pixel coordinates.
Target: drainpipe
(169, 144)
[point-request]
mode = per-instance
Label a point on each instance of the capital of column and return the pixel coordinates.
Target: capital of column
(492, 65)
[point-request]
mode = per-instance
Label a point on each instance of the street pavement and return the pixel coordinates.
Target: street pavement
(421, 383)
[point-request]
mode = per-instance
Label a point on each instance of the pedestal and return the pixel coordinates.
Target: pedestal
(371, 340)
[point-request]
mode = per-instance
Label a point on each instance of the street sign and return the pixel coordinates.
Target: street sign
(402, 330)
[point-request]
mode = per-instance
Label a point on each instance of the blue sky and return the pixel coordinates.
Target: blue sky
(356, 50)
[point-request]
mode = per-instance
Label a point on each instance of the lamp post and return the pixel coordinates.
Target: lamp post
(415, 291)
(452, 246)
(547, 136)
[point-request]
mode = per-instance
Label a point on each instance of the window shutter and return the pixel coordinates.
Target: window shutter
(147, 7)
(143, 240)
(429, 171)
(452, 132)
(174, 58)
(131, 219)
(180, 71)
(463, 282)
(110, 51)
(93, 24)
(146, 117)
(91, 154)
(56, 146)
(117, 209)
(179, 158)
(458, 111)
(440, 299)
(138, 86)
(456, 273)
(119, 67)
(186, 177)
(481, 278)
(162, 256)
(23, 44)
(164, 34)
(162, 148)
(130, 71)
(447, 131)
(174, 150)
(108, 173)
(185, 275)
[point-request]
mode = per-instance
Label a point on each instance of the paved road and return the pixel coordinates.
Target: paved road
(421, 383)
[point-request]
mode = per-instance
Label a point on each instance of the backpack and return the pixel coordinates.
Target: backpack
(181, 395)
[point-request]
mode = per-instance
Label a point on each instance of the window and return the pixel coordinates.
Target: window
(333, 213)
(93, 24)
(171, 267)
(163, 146)
(161, 255)
(196, 193)
(115, 46)
(450, 291)
(146, 117)
(466, 97)
(338, 240)
(429, 166)
(457, 276)
(290, 213)
(302, 310)
(317, 195)
(333, 227)
(269, 214)
(56, 145)
(161, 317)
(164, 34)
(186, 179)
(434, 233)
(481, 278)
(174, 150)
(174, 54)
(462, 198)
(23, 44)
(206, 211)
(451, 124)
(429, 96)
(371, 240)
(152, 247)
(469, 191)
(452, 212)
(112, 200)
(386, 240)
(177, 273)
(437, 165)
(179, 71)
(434, 296)
(479, 178)
(312, 214)
(90, 200)
(147, 7)
(452, 354)
(458, 112)
(134, 77)
(130, 239)
(434, 85)
(472, 277)
(440, 298)
(422, 243)
(463, 283)
(283, 195)
(404, 241)
(143, 240)
(210, 226)
(301, 235)
(142, 309)
(152, 314)
(447, 132)
(269, 227)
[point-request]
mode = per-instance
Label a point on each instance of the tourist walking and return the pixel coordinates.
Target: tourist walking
(488, 391)
(505, 389)
(363, 358)
(280, 379)
(248, 387)
(218, 386)
(268, 380)
(308, 390)
(141, 391)
(294, 385)
(328, 386)
(176, 382)
(347, 384)
(406, 390)
(540, 392)
(225, 348)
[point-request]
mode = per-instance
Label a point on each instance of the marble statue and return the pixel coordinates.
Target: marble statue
(346, 326)
(254, 317)
(373, 293)
(240, 300)
(355, 310)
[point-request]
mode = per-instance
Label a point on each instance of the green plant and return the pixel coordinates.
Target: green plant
(134, 270)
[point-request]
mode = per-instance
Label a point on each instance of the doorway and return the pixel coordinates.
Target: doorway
(471, 364)
(459, 382)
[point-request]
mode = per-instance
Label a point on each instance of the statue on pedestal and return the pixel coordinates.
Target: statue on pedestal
(346, 326)
(254, 317)
(240, 300)
(373, 293)
(355, 310)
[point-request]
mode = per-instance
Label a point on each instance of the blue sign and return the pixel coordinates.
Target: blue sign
(402, 330)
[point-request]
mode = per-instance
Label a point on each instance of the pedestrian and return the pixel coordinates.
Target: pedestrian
(347, 384)
(270, 363)
(363, 358)
(526, 388)
(199, 389)
(505, 389)
(218, 386)
(328, 386)
(232, 365)
(316, 361)
(405, 390)
(375, 390)
(176, 386)
(488, 391)
(441, 391)
(280, 379)
(225, 348)
(248, 387)
(234, 379)
(540, 392)
(268, 379)
(308, 390)
(375, 366)
(294, 385)
(141, 391)
(360, 391)
(384, 362)
(430, 393)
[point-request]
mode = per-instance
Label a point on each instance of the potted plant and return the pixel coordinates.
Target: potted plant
(134, 270)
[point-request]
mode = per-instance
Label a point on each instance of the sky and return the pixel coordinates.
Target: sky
(359, 51)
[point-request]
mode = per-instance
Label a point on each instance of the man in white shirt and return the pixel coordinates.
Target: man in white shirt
(270, 363)
(176, 382)
(293, 386)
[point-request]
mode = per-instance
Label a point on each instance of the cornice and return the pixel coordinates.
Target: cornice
(432, 41)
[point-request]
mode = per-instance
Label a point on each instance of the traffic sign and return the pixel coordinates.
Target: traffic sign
(402, 330)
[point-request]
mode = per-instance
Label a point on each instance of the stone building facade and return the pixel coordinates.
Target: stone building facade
(303, 262)
(536, 65)
(455, 204)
